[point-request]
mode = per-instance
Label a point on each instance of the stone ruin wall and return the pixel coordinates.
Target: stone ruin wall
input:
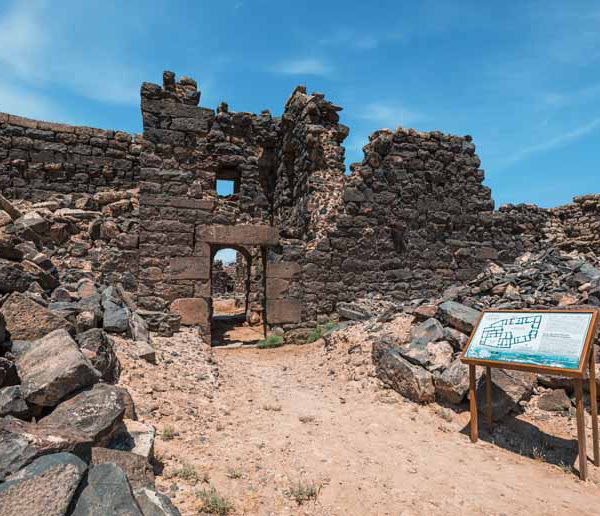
(39, 159)
(411, 219)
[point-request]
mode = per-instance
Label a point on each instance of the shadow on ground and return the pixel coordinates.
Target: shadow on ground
(229, 330)
(527, 440)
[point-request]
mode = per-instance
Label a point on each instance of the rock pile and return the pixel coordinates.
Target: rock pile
(425, 365)
(70, 443)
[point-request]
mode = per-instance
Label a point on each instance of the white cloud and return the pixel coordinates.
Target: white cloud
(556, 142)
(389, 115)
(43, 50)
(308, 66)
(359, 39)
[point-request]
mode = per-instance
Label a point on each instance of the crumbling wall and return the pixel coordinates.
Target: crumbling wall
(38, 159)
(411, 219)
(576, 226)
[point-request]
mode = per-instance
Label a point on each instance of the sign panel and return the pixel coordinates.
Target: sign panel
(535, 339)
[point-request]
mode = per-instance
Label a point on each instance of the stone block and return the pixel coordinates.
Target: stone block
(276, 287)
(247, 234)
(193, 310)
(53, 367)
(176, 202)
(22, 442)
(44, 488)
(97, 412)
(281, 311)
(107, 488)
(190, 268)
(284, 270)
(137, 468)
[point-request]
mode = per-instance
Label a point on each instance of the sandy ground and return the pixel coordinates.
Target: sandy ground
(255, 423)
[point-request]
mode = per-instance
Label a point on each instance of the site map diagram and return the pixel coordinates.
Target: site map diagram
(550, 339)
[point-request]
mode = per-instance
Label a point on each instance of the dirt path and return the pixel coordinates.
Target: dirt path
(291, 415)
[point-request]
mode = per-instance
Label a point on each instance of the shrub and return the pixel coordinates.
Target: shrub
(186, 472)
(319, 331)
(272, 341)
(303, 492)
(214, 503)
(167, 433)
(234, 473)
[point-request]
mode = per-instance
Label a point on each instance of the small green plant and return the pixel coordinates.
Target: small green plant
(304, 492)
(566, 468)
(187, 473)
(319, 331)
(234, 473)
(214, 503)
(539, 454)
(272, 341)
(167, 433)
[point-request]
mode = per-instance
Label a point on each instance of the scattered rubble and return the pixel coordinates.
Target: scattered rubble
(61, 420)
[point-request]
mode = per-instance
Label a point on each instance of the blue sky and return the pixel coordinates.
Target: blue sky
(523, 78)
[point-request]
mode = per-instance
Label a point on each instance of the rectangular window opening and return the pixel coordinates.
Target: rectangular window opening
(227, 183)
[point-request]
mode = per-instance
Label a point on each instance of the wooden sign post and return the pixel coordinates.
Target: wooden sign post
(556, 342)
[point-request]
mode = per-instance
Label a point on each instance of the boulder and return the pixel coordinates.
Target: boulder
(129, 404)
(2, 331)
(412, 381)
(8, 373)
(434, 356)
(554, 401)
(48, 280)
(508, 389)
(137, 468)
(86, 288)
(115, 314)
(459, 316)
(77, 214)
(138, 327)
(430, 330)
(61, 295)
(13, 277)
(43, 488)
(32, 221)
(424, 312)
(9, 252)
(53, 367)
(353, 311)
(145, 350)
(98, 349)
(115, 318)
(452, 384)
(12, 403)
(97, 412)
(85, 321)
(457, 338)
(107, 492)
(153, 503)
(23, 442)
(28, 320)
(135, 437)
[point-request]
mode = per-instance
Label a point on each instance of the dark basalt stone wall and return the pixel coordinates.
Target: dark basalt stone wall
(38, 159)
(411, 219)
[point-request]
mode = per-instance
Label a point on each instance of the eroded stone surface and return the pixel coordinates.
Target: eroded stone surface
(53, 367)
(28, 320)
(107, 492)
(43, 488)
(96, 412)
